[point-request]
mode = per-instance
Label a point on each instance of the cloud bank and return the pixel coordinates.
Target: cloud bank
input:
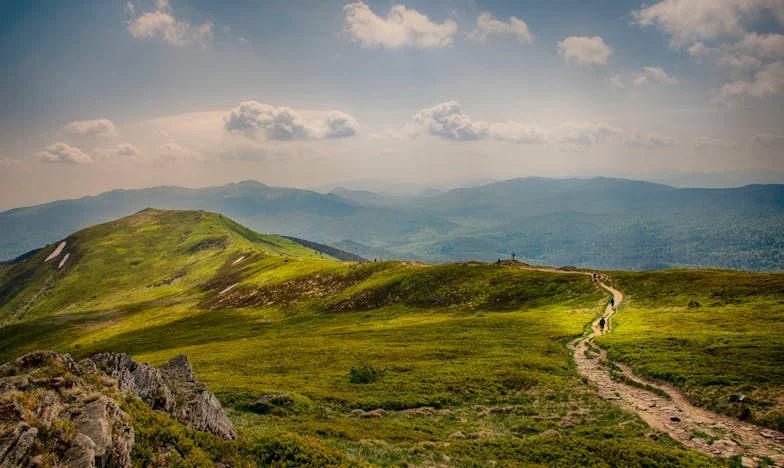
(256, 120)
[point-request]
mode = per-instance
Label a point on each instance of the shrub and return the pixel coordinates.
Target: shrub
(693, 304)
(364, 374)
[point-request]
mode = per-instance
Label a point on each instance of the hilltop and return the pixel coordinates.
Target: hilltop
(594, 223)
(320, 361)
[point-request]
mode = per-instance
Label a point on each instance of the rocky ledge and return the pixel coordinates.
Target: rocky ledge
(56, 411)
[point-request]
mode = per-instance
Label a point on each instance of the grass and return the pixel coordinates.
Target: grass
(718, 335)
(466, 362)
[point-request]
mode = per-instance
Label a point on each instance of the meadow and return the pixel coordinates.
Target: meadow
(718, 335)
(385, 363)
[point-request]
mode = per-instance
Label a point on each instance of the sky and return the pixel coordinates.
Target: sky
(98, 95)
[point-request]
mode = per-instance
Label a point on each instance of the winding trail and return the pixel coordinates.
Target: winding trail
(697, 428)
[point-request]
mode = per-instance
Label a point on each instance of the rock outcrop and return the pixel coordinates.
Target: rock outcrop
(55, 411)
(172, 388)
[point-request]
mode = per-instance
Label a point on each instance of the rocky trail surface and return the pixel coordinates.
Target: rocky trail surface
(665, 408)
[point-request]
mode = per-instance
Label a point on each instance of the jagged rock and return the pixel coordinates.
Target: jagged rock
(16, 446)
(162, 388)
(457, 435)
(76, 405)
(141, 380)
(109, 429)
(81, 452)
(48, 409)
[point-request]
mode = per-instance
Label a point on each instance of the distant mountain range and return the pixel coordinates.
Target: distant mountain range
(600, 222)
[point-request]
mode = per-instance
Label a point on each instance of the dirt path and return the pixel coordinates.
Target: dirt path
(697, 428)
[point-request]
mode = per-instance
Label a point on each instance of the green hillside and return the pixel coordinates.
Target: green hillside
(382, 363)
(719, 335)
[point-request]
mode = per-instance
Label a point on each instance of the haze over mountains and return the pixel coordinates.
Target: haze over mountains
(598, 223)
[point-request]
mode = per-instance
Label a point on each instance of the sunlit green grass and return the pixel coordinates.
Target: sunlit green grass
(728, 343)
(449, 337)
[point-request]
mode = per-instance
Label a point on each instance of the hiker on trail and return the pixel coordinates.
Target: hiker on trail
(513, 256)
(601, 323)
(612, 302)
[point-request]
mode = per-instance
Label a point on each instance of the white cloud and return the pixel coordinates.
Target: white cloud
(9, 163)
(162, 24)
(647, 140)
(242, 39)
(102, 127)
(339, 125)
(762, 45)
(254, 120)
(653, 74)
(176, 152)
(586, 133)
(769, 140)
(124, 150)
(446, 120)
(739, 63)
(689, 21)
(519, 132)
(705, 142)
(487, 25)
(63, 153)
(130, 8)
(768, 81)
(400, 28)
(585, 50)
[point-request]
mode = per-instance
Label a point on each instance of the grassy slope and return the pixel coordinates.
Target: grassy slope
(729, 343)
(450, 337)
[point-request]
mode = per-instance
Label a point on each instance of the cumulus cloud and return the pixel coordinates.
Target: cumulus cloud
(447, 120)
(769, 140)
(690, 21)
(705, 143)
(339, 125)
(124, 150)
(768, 81)
(647, 140)
(63, 153)
(656, 74)
(255, 120)
(401, 27)
(519, 132)
(487, 25)
(161, 24)
(102, 127)
(585, 50)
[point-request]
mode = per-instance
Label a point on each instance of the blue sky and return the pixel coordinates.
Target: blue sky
(98, 95)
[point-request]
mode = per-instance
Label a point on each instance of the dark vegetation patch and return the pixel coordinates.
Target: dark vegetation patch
(328, 250)
(480, 286)
(210, 243)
